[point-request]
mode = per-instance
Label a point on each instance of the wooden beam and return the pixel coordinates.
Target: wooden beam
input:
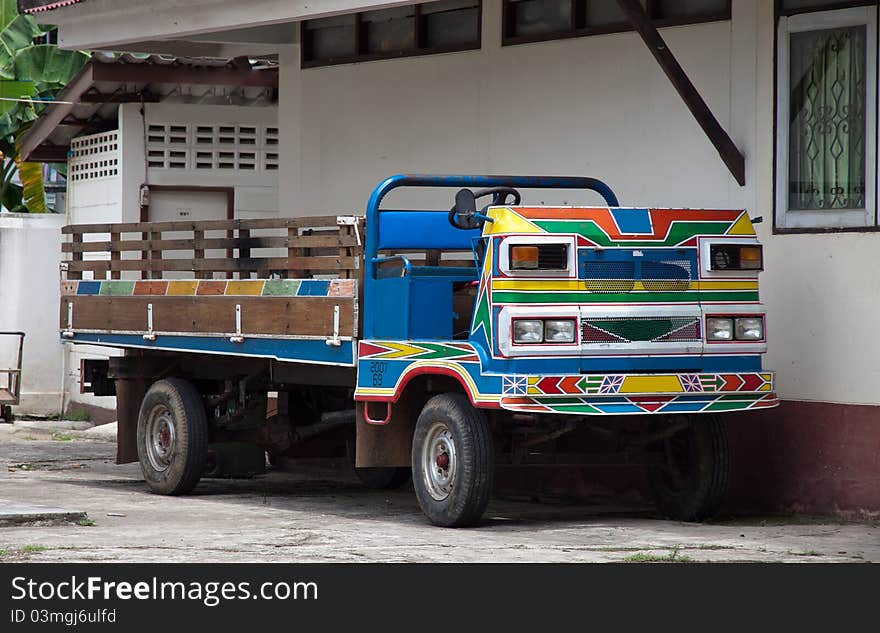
(730, 154)
(120, 97)
(48, 153)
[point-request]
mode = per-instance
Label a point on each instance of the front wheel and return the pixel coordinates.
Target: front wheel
(691, 480)
(453, 461)
(172, 437)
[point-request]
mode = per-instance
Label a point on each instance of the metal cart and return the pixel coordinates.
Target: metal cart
(10, 395)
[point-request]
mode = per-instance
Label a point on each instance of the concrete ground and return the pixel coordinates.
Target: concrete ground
(290, 518)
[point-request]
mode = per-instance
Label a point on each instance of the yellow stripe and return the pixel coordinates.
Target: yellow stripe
(548, 285)
(651, 384)
(247, 288)
(182, 288)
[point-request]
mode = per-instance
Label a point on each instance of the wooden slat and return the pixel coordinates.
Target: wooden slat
(202, 243)
(303, 316)
(203, 225)
(115, 254)
(218, 264)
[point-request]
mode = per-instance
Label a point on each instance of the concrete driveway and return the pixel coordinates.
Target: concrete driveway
(290, 518)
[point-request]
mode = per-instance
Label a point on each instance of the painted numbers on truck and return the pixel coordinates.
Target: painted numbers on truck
(377, 370)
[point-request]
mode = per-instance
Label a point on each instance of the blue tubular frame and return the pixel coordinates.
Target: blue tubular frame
(371, 246)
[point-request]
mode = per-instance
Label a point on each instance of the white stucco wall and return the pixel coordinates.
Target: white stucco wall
(30, 254)
(597, 106)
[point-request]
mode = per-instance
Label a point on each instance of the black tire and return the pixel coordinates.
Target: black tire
(173, 409)
(692, 484)
(383, 478)
(470, 470)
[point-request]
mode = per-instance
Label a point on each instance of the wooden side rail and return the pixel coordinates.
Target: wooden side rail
(326, 245)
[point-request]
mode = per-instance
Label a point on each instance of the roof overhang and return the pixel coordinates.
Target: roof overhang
(38, 6)
(90, 101)
(117, 24)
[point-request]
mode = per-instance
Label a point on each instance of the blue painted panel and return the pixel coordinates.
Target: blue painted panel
(294, 350)
(313, 288)
(387, 315)
(422, 229)
(410, 308)
(89, 288)
(633, 221)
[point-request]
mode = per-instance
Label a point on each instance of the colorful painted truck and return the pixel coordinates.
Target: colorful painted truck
(431, 343)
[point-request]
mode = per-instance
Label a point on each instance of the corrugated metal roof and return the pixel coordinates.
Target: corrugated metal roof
(36, 6)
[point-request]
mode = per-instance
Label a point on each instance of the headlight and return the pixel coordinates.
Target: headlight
(732, 328)
(528, 331)
(560, 331)
(736, 257)
(719, 329)
(749, 329)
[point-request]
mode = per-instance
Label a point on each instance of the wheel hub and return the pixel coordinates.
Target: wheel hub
(439, 461)
(160, 438)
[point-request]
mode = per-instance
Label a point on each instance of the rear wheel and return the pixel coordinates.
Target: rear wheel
(691, 481)
(453, 461)
(172, 437)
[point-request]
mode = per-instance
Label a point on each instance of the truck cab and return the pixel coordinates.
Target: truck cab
(573, 313)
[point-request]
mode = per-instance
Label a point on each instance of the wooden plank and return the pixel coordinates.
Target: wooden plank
(330, 264)
(730, 154)
(202, 243)
(285, 316)
(203, 225)
(115, 255)
(198, 251)
(77, 259)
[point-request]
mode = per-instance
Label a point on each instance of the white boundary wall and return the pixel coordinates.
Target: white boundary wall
(29, 260)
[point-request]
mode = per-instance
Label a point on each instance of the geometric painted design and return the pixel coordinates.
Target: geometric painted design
(639, 384)
(640, 405)
(391, 350)
(691, 383)
(513, 385)
(346, 288)
(611, 384)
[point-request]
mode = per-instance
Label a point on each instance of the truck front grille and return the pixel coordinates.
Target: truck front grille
(668, 275)
(641, 330)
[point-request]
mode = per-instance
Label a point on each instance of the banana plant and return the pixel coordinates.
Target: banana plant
(30, 74)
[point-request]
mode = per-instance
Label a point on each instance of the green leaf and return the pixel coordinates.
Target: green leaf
(8, 12)
(31, 176)
(48, 65)
(11, 90)
(19, 34)
(12, 198)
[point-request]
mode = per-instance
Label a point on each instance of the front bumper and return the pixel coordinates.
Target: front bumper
(628, 394)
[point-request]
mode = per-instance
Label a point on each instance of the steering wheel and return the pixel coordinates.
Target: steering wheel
(464, 216)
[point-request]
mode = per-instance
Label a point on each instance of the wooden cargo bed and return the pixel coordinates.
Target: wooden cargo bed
(284, 288)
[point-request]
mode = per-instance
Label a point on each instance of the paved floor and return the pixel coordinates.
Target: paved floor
(282, 517)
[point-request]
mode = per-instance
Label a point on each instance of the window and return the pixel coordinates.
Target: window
(826, 145)
(536, 20)
(419, 29)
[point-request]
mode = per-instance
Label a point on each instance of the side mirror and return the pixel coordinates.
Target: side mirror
(464, 210)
